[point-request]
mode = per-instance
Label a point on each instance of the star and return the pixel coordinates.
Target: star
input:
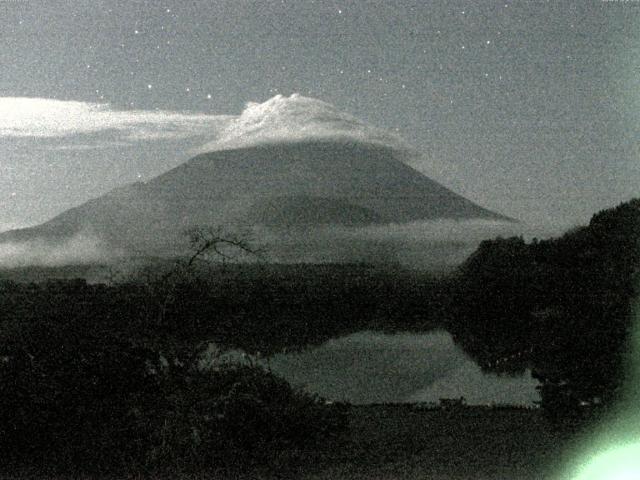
(149, 86)
(208, 96)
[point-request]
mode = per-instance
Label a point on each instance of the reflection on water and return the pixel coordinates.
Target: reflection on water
(369, 367)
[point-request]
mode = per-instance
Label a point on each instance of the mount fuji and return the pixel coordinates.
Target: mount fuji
(288, 163)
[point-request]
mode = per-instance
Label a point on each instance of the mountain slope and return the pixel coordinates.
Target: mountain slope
(280, 184)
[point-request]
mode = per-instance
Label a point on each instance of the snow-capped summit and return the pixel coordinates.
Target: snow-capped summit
(287, 162)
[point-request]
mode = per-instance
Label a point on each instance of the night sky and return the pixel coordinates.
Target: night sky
(528, 108)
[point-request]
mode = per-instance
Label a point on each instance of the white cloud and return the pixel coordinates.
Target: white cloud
(296, 118)
(279, 119)
(47, 118)
(87, 146)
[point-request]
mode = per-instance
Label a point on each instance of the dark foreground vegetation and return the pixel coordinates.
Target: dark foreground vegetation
(115, 378)
(563, 307)
(255, 307)
(400, 442)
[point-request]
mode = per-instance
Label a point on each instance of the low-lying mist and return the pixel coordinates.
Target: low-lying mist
(82, 248)
(432, 244)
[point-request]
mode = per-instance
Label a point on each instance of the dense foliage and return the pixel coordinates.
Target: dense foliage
(108, 376)
(96, 378)
(561, 306)
(270, 308)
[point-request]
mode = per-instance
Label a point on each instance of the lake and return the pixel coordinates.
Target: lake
(372, 367)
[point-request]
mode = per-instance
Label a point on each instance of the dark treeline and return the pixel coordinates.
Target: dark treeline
(562, 307)
(257, 308)
(108, 377)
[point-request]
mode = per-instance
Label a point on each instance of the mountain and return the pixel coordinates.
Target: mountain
(280, 185)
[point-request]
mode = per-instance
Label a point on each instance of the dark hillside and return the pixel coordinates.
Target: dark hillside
(561, 306)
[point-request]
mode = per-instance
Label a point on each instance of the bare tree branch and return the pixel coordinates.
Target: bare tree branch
(211, 239)
(205, 242)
